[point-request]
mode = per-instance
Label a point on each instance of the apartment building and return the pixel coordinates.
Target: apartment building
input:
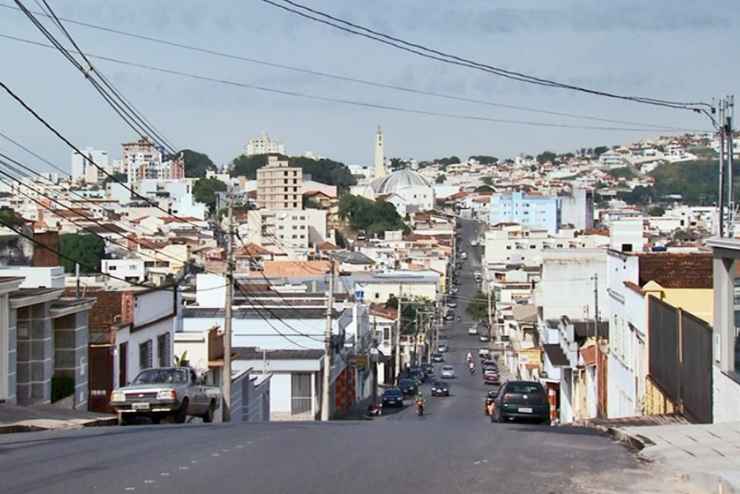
(264, 145)
(279, 186)
(85, 171)
(528, 210)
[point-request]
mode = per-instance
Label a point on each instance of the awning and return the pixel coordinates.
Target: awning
(555, 355)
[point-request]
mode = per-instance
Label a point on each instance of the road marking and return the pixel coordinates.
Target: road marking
(193, 461)
(148, 481)
(184, 468)
(215, 454)
(165, 474)
(130, 488)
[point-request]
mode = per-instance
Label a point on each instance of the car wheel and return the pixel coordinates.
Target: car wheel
(182, 412)
(208, 416)
(156, 419)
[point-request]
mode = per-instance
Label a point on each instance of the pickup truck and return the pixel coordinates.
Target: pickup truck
(166, 392)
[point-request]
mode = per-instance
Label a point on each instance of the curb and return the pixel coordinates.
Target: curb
(25, 427)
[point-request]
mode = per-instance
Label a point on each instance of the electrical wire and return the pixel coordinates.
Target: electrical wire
(344, 78)
(359, 103)
(427, 52)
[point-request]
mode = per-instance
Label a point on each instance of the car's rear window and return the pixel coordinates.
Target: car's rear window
(392, 392)
(524, 388)
(162, 376)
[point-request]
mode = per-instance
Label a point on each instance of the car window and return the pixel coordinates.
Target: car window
(162, 376)
(524, 388)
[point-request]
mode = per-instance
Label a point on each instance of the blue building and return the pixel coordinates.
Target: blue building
(532, 211)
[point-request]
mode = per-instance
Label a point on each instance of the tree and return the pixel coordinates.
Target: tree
(370, 216)
(639, 195)
(484, 159)
(487, 180)
(9, 217)
(656, 211)
(546, 156)
(484, 188)
(325, 171)
(440, 179)
(599, 150)
(85, 248)
(205, 190)
(622, 172)
(477, 308)
(116, 177)
(196, 164)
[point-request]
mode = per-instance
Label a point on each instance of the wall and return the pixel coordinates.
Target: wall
(45, 277)
(134, 340)
(124, 268)
(726, 396)
(152, 305)
(657, 402)
(35, 340)
(70, 354)
(280, 393)
(379, 292)
(259, 333)
(566, 287)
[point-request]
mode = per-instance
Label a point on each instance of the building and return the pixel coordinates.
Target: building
(83, 170)
(264, 145)
(290, 231)
(379, 155)
(527, 210)
(578, 208)
(143, 160)
(377, 288)
(279, 186)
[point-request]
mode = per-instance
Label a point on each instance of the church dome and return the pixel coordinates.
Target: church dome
(399, 180)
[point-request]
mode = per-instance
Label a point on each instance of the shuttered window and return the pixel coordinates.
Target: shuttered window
(145, 355)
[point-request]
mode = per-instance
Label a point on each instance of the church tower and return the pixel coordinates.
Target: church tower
(379, 155)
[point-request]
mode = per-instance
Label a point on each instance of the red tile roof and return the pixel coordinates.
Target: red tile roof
(676, 270)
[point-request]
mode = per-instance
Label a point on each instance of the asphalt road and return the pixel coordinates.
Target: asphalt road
(452, 449)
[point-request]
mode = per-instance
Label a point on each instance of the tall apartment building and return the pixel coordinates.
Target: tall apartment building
(143, 160)
(526, 210)
(279, 186)
(83, 170)
(264, 145)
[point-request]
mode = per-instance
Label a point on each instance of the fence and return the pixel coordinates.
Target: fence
(681, 359)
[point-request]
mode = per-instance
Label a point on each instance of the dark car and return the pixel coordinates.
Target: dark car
(522, 400)
(418, 374)
(491, 377)
(428, 369)
(437, 357)
(392, 397)
(409, 386)
(440, 388)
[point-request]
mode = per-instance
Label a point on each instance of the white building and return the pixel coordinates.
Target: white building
(83, 170)
(128, 269)
(264, 145)
(292, 231)
(627, 235)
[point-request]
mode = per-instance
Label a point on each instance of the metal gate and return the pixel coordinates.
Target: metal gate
(100, 382)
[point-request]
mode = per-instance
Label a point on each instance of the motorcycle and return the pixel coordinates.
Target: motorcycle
(419, 408)
(472, 370)
(488, 406)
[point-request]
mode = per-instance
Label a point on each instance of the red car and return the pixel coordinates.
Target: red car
(491, 377)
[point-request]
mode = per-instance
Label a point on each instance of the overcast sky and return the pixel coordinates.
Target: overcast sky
(670, 49)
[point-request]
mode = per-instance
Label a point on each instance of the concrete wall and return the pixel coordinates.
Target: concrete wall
(566, 287)
(70, 354)
(280, 393)
(726, 396)
(35, 347)
(12, 354)
(134, 340)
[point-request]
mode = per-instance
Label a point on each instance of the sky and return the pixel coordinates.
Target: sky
(669, 49)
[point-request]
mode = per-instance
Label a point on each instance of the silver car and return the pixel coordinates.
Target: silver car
(448, 372)
(167, 392)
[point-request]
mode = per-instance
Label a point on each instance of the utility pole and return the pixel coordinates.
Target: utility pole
(596, 306)
(729, 111)
(490, 312)
(326, 388)
(228, 303)
(399, 319)
(721, 136)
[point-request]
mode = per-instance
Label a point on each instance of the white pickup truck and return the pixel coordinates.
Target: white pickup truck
(174, 392)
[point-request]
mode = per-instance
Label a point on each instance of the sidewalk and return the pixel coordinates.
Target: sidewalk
(47, 417)
(707, 456)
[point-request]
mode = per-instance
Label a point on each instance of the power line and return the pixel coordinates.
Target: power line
(130, 115)
(344, 78)
(359, 103)
(427, 52)
(32, 153)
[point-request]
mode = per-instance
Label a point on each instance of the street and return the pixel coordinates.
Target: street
(453, 448)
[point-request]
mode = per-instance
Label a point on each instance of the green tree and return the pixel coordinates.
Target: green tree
(656, 211)
(440, 179)
(115, 177)
(599, 150)
(325, 171)
(370, 216)
(9, 217)
(196, 164)
(477, 308)
(484, 188)
(487, 180)
(640, 195)
(85, 248)
(622, 172)
(484, 159)
(546, 156)
(205, 190)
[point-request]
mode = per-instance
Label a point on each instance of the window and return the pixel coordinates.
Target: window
(300, 393)
(164, 357)
(295, 204)
(111, 267)
(145, 355)
(626, 247)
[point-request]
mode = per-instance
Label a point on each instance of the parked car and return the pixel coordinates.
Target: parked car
(418, 374)
(392, 397)
(522, 400)
(484, 353)
(440, 388)
(408, 386)
(450, 316)
(464, 255)
(428, 369)
(477, 276)
(483, 338)
(443, 348)
(448, 372)
(437, 357)
(451, 305)
(491, 377)
(166, 392)
(473, 330)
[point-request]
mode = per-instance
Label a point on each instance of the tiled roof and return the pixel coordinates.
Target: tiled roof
(381, 310)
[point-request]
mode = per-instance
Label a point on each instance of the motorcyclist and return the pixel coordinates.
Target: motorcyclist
(471, 366)
(419, 403)
(470, 357)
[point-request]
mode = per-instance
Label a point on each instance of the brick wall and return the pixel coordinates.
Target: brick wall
(103, 314)
(44, 257)
(677, 270)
